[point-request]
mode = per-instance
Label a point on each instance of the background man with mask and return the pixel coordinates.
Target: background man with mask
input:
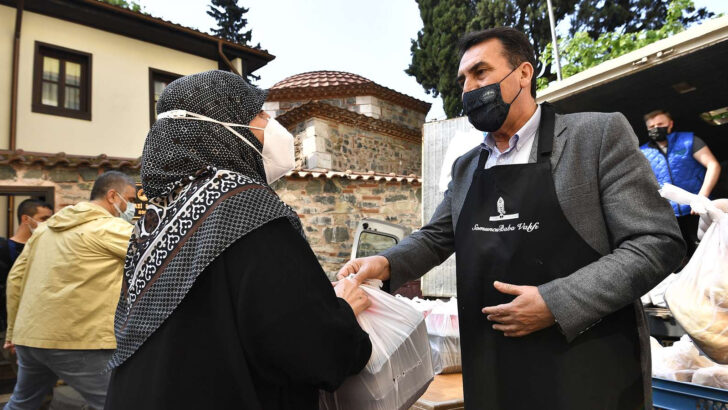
(681, 159)
(31, 213)
(62, 294)
(558, 230)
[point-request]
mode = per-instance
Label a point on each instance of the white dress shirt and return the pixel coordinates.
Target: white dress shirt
(519, 146)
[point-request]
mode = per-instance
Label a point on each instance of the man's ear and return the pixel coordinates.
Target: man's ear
(669, 127)
(527, 72)
(110, 194)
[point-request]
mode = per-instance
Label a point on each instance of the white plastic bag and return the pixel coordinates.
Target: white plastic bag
(400, 368)
(698, 298)
(714, 376)
(424, 306)
(656, 296)
(679, 361)
(443, 329)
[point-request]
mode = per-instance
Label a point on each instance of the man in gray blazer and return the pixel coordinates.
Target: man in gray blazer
(558, 228)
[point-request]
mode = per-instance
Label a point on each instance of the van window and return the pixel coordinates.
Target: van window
(371, 243)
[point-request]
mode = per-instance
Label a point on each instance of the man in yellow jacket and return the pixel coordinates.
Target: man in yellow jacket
(62, 294)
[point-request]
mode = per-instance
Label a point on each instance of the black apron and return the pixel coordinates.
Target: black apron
(512, 229)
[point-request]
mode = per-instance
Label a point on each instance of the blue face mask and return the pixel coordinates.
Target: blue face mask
(127, 215)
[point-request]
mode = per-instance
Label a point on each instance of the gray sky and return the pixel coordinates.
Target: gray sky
(371, 38)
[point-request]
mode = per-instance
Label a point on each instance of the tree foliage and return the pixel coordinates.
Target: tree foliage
(131, 4)
(613, 26)
(231, 22)
(596, 17)
(434, 52)
(581, 51)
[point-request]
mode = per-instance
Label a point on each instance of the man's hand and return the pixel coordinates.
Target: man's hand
(527, 313)
(706, 220)
(371, 267)
(9, 346)
(350, 291)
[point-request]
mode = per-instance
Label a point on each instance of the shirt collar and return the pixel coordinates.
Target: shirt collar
(521, 137)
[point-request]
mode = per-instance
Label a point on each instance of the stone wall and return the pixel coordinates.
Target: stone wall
(399, 115)
(71, 184)
(330, 210)
(326, 144)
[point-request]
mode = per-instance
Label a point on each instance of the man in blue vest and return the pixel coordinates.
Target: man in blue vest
(681, 159)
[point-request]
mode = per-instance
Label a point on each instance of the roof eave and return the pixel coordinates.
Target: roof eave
(129, 23)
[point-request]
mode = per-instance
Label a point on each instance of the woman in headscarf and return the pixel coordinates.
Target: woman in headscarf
(223, 303)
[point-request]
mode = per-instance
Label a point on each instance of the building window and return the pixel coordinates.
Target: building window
(158, 81)
(62, 82)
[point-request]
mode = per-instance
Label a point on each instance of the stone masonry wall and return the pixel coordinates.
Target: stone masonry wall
(330, 210)
(347, 147)
(72, 184)
(356, 149)
(400, 115)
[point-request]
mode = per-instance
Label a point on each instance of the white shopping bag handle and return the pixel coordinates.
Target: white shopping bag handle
(373, 283)
(699, 204)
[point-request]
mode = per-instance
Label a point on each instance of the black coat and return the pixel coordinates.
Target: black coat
(260, 329)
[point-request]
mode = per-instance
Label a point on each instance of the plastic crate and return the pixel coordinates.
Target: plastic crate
(671, 395)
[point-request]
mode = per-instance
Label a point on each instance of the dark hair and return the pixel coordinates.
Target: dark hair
(516, 47)
(110, 180)
(652, 114)
(30, 207)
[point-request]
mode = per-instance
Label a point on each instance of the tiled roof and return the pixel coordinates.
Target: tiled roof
(320, 79)
(21, 157)
(371, 175)
(333, 84)
(343, 116)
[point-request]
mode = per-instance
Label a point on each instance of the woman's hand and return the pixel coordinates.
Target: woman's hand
(356, 298)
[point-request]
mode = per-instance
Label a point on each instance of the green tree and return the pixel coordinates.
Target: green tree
(131, 5)
(596, 17)
(434, 52)
(581, 51)
(231, 22)
(530, 17)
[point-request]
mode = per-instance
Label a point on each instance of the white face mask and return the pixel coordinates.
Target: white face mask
(33, 228)
(278, 154)
(127, 215)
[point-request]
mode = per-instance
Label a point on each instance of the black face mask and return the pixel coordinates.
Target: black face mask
(485, 107)
(657, 134)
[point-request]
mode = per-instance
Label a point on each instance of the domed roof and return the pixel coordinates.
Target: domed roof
(317, 85)
(321, 79)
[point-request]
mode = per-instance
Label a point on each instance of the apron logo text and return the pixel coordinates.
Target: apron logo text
(526, 227)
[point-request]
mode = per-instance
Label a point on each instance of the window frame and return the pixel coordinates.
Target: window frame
(63, 54)
(153, 72)
(374, 232)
